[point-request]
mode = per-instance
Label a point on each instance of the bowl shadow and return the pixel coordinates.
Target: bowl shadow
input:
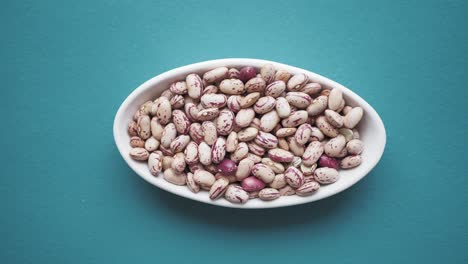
(315, 213)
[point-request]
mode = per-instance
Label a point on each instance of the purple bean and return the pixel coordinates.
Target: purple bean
(247, 73)
(326, 161)
(252, 184)
(227, 166)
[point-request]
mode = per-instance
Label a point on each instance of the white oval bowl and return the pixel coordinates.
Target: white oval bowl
(371, 130)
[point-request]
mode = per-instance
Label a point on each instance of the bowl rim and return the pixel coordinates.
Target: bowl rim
(368, 109)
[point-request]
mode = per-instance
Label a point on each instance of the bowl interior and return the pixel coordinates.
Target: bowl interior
(371, 130)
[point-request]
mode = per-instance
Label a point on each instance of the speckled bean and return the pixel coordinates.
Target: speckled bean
(232, 141)
(178, 164)
(334, 99)
(318, 105)
(295, 119)
(178, 87)
(210, 89)
(282, 75)
(175, 178)
(326, 175)
(144, 127)
(204, 153)
(191, 153)
(282, 107)
(312, 153)
(218, 188)
(235, 194)
(266, 140)
(204, 178)
(232, 86)
(256, 84)
(233, 103)
(191, 111)
(355, 147)
(155, 163)
(268, 72)
(244, 168)
(269, 121)
(263, 172)
(196, 132)
(151, 144)
(181, 122)
(298, 99)
(191, 184)
(240, 153)
(312, 88)
(275, 89)
(247, 134)
(302, 134)
(326, 127)
(297, 82)
(294, 177)
(168, 135)
(256, 149)
(249, 100)
(308, 188)
(177, 101)
(194, 86)
(132, 128)
(269, 194)
(280, 155)
(207, 114)
(137, 142)
(210, 133)
(164, 112)
(335, 145)
(286, 132)
(218, 151)
(225, 122)
(213, 100)
(215, 75)
(353, 117)
(179, 143)
(350, 162)
(154, 107)
(334, 118)
(244, 117)
(264, 105)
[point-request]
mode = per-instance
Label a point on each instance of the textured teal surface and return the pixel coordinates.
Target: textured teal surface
(68, 197)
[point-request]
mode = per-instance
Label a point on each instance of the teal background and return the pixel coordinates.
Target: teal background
(68, 197)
